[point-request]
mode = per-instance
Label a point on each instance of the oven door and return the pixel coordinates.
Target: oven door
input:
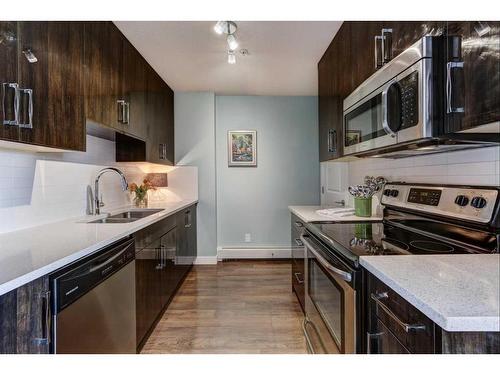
(329, 325)
(396, 112)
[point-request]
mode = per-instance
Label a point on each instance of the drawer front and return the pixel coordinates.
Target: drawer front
(146, 236)
(382, 341)
(410, 326)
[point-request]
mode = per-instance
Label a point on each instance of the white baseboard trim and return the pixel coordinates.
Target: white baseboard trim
(206, 260)
(270, 252)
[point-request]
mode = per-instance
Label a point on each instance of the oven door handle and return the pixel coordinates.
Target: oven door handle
(346, 276)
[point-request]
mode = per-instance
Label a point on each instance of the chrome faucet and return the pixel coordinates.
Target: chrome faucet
(97, 200)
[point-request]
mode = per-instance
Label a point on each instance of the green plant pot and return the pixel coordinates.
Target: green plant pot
(363, 206)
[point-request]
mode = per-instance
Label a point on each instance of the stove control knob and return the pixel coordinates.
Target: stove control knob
(394, 193)
(478, 202)
(387, 192)
(461, 200)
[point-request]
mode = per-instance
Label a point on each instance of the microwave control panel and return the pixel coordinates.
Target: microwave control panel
(409, 100)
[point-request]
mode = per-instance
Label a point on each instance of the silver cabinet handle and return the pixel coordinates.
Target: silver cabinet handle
(126, 112)
(29, 124)
(187, 219)
(332, 140)
(296, 274)
(299, 242)
(385, 111)
(122, 111)
(386, 45)
(406, 326)
(44, 319)
(449, 87)
(298, 224)
(378, 56)
(346, 276)
(16, 104)
(369, 338)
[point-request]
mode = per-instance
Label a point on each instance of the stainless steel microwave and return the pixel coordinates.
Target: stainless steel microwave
(401, 109)
(394, 105)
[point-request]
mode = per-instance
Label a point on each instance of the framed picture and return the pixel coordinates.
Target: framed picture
(242, 148)
(353, 137)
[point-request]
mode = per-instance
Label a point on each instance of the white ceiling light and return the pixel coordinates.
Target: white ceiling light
(232, 43)
(231, 57)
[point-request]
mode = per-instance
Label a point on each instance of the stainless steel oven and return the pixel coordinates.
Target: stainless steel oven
(330, 302)
(394, 105)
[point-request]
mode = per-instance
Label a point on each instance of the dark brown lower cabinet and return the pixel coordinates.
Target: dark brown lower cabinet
(297, 247)
(165, 252)
(25, 319)
(397, 327)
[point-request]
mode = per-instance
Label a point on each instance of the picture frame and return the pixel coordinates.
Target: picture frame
(353, 137)
(242, 148)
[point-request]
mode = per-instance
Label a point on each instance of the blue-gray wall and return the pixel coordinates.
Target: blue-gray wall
(195, 145)
(255, 200)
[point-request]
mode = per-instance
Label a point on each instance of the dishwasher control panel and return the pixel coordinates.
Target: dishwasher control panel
(80, 277)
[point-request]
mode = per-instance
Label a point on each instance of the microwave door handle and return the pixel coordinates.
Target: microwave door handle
(449, 86)
(346, 276)
(385, 111)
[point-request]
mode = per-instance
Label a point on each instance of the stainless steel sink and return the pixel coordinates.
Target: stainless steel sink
(126, 217)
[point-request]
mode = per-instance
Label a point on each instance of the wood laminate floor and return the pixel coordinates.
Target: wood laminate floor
(232, 307)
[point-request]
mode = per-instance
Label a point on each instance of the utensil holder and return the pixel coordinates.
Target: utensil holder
(363, 206)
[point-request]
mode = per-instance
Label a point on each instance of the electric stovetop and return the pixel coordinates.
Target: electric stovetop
(355, 239)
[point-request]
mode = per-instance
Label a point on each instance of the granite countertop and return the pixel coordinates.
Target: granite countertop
(28, 254)
(460, 293)
(308, 214)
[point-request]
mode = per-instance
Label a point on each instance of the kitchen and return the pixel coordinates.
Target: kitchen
(249, 187)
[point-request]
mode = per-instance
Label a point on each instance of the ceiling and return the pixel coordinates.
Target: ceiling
(190, 56)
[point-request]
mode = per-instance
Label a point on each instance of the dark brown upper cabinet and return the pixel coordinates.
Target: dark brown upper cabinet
(134, 81)
(41, 73)
(334, 84)
(474, 83)
(104, 96)
(160, 120)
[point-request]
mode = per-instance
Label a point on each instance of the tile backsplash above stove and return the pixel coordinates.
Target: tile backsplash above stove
(476, 167)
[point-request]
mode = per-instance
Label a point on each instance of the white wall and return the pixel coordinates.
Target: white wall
(195, 146)
(53, 186)
(255, 200)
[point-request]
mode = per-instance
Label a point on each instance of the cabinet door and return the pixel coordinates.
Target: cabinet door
(185, 248)
(104, 73)
(334, 80)
(134, 91)
(192, 234)
(167, 268)
(147, 281)
(25, 319)
(8, 80)
(479, 92)
(160, 120)
(405, 34)
(52, 112)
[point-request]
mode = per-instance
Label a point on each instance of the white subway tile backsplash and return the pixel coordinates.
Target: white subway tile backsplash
(475, 167)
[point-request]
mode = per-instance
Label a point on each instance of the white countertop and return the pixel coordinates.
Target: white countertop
(28, 254)
(458, 292)
(308, 214)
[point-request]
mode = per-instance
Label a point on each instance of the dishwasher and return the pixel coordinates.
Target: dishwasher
(94, 303)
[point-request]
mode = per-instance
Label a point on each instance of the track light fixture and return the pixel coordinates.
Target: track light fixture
(228, 28)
